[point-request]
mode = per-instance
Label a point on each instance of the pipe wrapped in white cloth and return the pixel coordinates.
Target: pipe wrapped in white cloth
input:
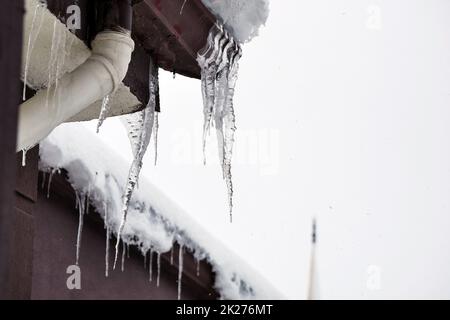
(99, 76)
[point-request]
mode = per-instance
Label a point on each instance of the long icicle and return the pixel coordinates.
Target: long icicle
(158, 266)
(140, 131)
(44, 177)
(81, 203)
(49, 184)
(150, 267)
(107, 252)
(219, 67)
(106, 225)
(155, 135)
(198, 267)
(180, 269)
(207, 60)
(104, 111)
(124, 248)
(32, 37)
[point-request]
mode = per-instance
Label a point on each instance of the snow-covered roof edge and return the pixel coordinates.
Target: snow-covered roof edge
(242, 18)
(154, 222)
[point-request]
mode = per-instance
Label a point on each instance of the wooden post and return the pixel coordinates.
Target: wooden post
(11, 19)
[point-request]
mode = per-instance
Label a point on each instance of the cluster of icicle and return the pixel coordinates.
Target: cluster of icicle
(82, 204)
(219, 63)
(60, 49)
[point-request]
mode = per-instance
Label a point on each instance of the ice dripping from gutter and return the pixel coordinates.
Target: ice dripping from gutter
(36, 25)
(44, 176)
(155, 135)
(219, 63)
(150, 266)
(50, 178)
(104, 112)
(81, 202)
(197, 260)
(124, 249)
(108, 232)
(180, 269)
(158, 266)
(139, 127)
(107, 252)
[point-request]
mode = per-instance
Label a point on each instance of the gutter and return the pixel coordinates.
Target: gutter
(100, 75)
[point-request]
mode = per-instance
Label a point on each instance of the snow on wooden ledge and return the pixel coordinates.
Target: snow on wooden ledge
(154, 221)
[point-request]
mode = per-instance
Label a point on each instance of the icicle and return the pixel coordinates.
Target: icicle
(158, 266)
(198, 267)
(104, 111)
(107, 252)
(171, 256)
(32, 37)
(180, 269)
(128, 251)
(150, 267)
(88, 195)
(145, 260)
(24, 157)
(207, 62)
(81, 202)
(155, 135)
(124, 248)
(105, 208)
(182, 7)
(219, 67)
(140, 127)
(44, 176)
(50, 177)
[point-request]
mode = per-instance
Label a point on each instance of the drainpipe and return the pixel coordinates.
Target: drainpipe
(99, 76)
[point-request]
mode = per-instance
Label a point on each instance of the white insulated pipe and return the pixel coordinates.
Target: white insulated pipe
(97, 77)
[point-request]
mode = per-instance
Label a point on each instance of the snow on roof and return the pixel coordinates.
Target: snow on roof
(154, 221)
(242, 18)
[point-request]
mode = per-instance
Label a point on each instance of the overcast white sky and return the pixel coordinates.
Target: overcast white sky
(343, 113)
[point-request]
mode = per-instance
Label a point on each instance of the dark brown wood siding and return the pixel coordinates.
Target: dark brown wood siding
(11, 15)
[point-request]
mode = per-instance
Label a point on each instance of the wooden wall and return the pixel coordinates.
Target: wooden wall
(11, 15)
